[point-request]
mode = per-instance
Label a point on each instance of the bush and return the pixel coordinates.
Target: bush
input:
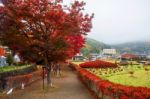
(9, 59)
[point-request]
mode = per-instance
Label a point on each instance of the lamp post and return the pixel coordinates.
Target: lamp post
(43, 68)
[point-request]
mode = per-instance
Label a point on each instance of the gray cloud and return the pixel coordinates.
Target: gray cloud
(118, 21)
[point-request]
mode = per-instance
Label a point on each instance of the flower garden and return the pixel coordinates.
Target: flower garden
(132, 76)
(109, 81)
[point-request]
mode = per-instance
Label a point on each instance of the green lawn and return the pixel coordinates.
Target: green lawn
(122, 76)
(139, 78)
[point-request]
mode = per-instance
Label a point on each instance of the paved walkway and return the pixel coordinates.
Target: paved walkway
(66, 87)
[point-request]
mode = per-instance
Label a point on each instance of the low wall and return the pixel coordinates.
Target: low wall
(105, 89)
(17, 81)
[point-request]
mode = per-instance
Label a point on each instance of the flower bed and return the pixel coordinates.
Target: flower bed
(98, 64)
(105, 89)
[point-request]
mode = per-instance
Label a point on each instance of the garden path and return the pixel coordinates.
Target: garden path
(66, 87)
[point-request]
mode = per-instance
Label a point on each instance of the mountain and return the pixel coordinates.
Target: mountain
(93, 46)
(133, 47)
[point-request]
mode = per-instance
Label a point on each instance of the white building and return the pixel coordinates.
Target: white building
(109, 51)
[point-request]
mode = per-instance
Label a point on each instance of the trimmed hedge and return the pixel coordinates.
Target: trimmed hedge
(22, 71)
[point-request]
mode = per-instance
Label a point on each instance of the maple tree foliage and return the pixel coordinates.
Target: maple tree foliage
(44, 29)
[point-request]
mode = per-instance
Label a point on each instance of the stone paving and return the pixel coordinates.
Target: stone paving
(66, 87)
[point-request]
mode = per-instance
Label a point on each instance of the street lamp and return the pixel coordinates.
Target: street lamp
(43, 68)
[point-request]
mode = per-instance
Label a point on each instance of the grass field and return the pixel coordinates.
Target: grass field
(139, 78)
(121, 75)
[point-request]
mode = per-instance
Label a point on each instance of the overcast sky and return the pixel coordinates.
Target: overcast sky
(119, 21)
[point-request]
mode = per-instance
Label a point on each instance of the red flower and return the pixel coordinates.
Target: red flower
(98, 64)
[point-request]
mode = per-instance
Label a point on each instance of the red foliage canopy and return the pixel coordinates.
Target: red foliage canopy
(2, 52)
(44, 29)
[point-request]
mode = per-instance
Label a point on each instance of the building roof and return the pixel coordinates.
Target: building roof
(128, 56)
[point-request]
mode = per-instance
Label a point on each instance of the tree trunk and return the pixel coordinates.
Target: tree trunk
(48, 68)
(49, 81)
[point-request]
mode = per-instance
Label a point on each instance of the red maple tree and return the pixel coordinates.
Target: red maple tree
(44, 29)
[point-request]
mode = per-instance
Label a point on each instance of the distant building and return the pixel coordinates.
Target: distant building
(94, 56)
(148, 56)
(142, 56)
(78, 57)
(109, 52)
(128, 56)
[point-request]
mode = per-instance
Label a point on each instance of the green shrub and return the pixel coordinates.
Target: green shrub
(9, 59)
